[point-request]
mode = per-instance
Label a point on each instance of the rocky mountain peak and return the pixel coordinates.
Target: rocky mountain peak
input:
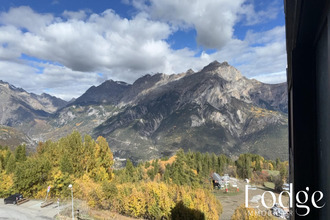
(108, 92)
(213, 66)
(224, 70)
(190, 71)
(21, 109)
(10, 86)
(215, 109)
(110, 82)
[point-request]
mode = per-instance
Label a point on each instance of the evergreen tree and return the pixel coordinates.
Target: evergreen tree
(75, 149)
(1, 162)
(244, 166)
(138, 174)
(11, 164)
(166, 176)
(6, 158)
(31, 175)
(156, 167)
(199, 167)
(147, 165)
(66, 164)
(213, 162)
(151, 174)
(180, 155)
(20, 153)
(258, 166)
(205, 165)
(129, 170)
(190, 159)
(89, 161)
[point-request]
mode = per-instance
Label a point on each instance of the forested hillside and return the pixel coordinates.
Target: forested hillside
(156, 189)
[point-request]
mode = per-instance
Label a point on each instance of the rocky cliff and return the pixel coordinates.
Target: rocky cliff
(215, 109)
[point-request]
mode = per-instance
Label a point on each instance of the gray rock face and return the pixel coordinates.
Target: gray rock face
(12, 137)
(213, 110)
(109, 92)
(18, 106)
(23, 112)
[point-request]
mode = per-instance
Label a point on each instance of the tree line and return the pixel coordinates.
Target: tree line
(157, 189)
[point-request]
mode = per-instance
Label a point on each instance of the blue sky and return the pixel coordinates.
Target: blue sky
(63, 47)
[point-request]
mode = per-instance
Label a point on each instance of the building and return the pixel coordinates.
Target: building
(307, 39)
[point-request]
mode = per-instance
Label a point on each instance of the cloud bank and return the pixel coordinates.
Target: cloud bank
(65, 55)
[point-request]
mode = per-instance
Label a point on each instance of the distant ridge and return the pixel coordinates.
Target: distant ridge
(215, 110)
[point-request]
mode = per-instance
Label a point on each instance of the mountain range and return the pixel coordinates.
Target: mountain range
(215, 110)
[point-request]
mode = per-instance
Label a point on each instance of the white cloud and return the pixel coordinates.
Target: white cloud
(213, 19)
(102, 42)
(85, 44)
(258, 54)
(77, 15)
(25, 17)
(277, 77)
(57, 80)
(120, 48)
(252, 17)
(277, 34)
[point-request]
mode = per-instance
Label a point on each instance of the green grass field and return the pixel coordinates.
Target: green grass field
(273, 172)
(269, 185)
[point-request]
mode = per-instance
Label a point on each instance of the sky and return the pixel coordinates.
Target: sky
(64, 47)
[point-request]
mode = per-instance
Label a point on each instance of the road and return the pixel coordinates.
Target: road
(28, 211)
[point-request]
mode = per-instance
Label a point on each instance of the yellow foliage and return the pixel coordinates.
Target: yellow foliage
(270, 166)
(78, 124)
(260, 112)
(156, 200)
(169, 161)
(104, 155)
(59, 183)
(136, 203)
(207, 203)
(100, 174)
(89, 190)
(159, 198)
(3, 153)
(6, 184)
(41, 193)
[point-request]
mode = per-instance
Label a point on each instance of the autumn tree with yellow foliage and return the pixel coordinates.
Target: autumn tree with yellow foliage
(174, 188)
